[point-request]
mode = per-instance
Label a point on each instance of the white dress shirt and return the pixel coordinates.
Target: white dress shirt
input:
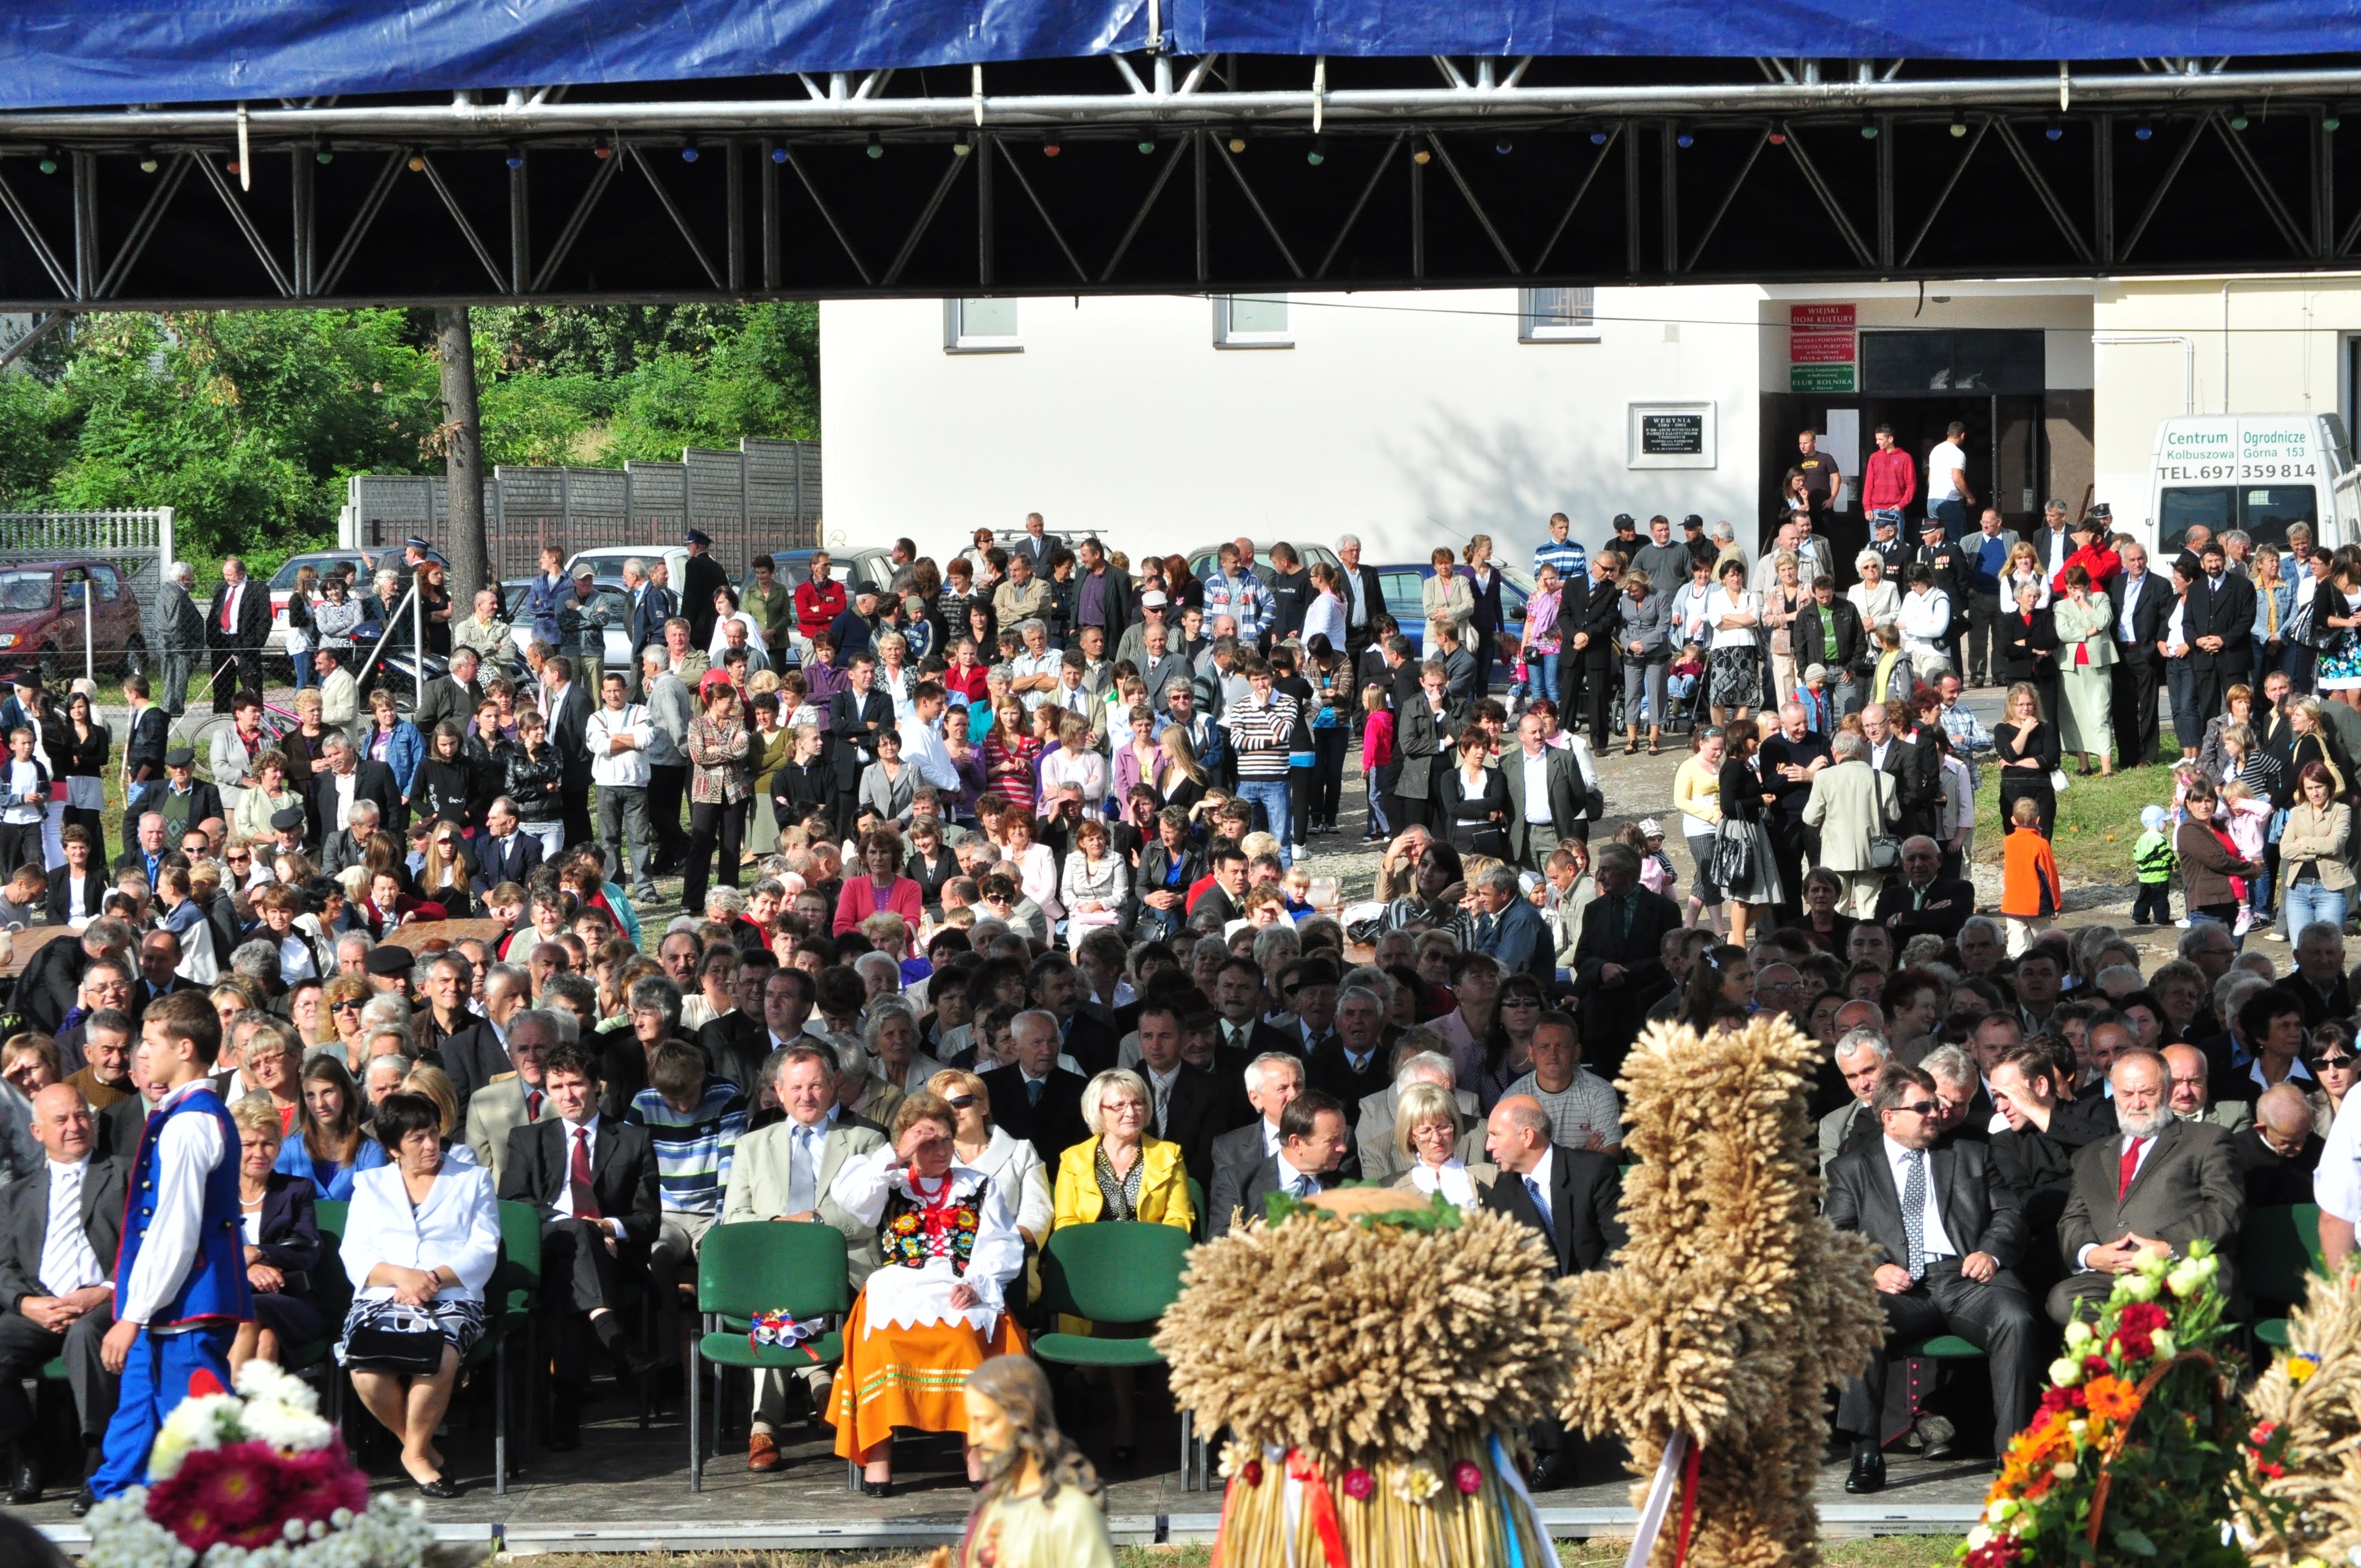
(1934, 1241)
(1537, 801)
(67, 1262)
(563, 1204)
(1537, 1186)
(2129, 592)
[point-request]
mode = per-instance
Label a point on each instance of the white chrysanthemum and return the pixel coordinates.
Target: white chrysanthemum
(206, 1421)
(286, 1428)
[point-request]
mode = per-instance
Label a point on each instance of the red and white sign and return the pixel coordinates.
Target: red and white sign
(1820, 316)
(1819, 334)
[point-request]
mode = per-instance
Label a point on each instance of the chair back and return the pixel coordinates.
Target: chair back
(516, 1278)
(332, 1291)
(2279, 1248)
(1197, 1207)
(1116, 1271)
(798, 1268)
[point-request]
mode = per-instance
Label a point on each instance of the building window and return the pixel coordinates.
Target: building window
(1251, 321)
(980, 326)
(1558, 315)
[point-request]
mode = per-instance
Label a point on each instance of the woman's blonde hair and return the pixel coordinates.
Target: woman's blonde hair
(256, 1116)
(955, 1081)
(1115, 1080)
(1474, 542)
(436, 1084)
(1418, 1105)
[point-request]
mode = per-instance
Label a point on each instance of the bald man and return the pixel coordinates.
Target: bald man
(59, 1229)
(2278, 1155)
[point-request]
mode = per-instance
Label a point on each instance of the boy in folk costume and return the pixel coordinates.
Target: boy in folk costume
(180, 1287)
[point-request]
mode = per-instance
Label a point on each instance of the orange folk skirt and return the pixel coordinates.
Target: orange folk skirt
(908, 1377)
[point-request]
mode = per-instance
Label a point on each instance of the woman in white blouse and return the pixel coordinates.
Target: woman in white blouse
(1426, 1130)
(1735, 659)
(420, 1243)
(1013, 1164)
(1326, 618)
(1879, 603)
(1924, 620)
(725, 610)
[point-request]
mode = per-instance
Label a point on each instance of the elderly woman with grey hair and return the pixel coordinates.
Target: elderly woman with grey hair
(891, 1036)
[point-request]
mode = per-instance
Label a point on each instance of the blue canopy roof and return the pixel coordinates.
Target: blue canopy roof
(57, 54)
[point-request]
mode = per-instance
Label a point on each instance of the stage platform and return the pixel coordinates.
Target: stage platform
(626, 1490)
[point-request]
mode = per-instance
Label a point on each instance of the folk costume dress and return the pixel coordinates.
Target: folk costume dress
(907, 1351)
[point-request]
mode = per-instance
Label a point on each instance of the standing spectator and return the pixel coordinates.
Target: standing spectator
(2218, 623)
(820, 599)
(671, 710)
(1987, 556)
(182, 628)
(2144, 604)
(1947, 495)
(1482, 632)
(2085, 623)
(2031, 893)
(620, 737)
(1261, 732)
(1889, 480)
(1851, 804)
(700, 577)
(1696, 796)
(1733, 614)
(1822, 480)
(1448, 599)
(1103, 593)
(1783, 600)
(235, 627)
(1567, 555)
(2207, 859)
(1364, 596)
(2313, 853)
(1543, 639)
(719, 787)
(1237, 593)
(1643, 638)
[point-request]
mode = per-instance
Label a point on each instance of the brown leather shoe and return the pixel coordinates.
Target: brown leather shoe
(762, 1454)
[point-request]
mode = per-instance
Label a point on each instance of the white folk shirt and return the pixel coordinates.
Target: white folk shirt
(67, 1262)
(188, 1149)
(1934, 1241)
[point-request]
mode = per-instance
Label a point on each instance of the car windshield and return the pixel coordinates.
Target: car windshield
(27, 590)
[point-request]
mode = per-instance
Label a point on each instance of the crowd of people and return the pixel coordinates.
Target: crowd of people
(1032, 939)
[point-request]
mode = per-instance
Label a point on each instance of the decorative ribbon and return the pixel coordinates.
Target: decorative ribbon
(1515, 1484)
(1688, 1504)
(780, 1328)
(1670, 1468)
(1304, 1483)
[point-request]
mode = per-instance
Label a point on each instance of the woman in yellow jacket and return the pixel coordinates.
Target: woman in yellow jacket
(1120, 1173)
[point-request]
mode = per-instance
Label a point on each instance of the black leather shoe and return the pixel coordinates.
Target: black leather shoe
(876, 1488)
(440, 1486)
(1868, 1474)
(632, 1363)
(23, 1476)
(1552, 1472)
(82, 1502)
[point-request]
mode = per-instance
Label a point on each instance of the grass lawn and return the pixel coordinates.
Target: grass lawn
(1877, 1552)
(2098, 819)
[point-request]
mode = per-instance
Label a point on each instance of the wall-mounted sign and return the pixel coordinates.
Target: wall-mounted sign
(1821, 348)
(1670, 436)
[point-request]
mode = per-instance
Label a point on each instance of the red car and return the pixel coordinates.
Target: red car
(43, 619)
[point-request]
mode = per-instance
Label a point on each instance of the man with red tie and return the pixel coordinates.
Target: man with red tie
(2157, 1185)
(593, 1177)
(235, 629)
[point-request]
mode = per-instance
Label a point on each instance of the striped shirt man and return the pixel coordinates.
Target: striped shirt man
(1241, 598)
(693, 1147)
(1261, 729)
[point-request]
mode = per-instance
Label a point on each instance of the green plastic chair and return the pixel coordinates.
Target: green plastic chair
(750, 1267)
(1943, 1348)
(2278, 1251)
(1197, 1207)
(510, 1297)
(1119, 1274)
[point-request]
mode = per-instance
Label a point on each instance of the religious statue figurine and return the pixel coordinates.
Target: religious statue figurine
(1040, 1506)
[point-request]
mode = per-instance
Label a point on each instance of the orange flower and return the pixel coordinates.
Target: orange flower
(2112, 1399)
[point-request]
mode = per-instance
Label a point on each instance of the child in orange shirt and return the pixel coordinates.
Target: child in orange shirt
(2030, 891)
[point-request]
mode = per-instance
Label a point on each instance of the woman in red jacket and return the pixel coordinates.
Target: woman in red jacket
(885, 888)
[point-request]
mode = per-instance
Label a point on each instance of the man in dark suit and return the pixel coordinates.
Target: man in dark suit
(651, 606)
(2278, 1155)
(58, 1300)
(699, 577)
(1618, 966)
(593, 1180)
(452, 697)
(1570, 1197)
(1511, 930)
(1948, 1230)
(1273, 1081)
(347, 780)
(1313, 1139)
(1539, 818)
(2157, 1185)
(145, 742)
(2218, 619)
(1914, 771)
(1588, 673)
(855, 715)
(1916, 902)
(235, 627)
(1102, 596)
(1364, 598)
(1352, 1064)
(2143, 605)
(2319, 982)
(1033, 1097)
(186, 800)
(570, 704)
(503, 854)
(1082, 1035)
(1185, 1105)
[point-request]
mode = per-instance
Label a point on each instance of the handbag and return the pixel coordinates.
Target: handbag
(1884, 848)
(2059, 782)
(410, 1352)
(1733, 856)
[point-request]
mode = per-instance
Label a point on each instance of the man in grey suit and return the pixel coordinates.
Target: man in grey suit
(512, 1098)
(1273, 1081)
(1851, 802)
(57, 1295)
(1373, 1135)
(1548, 797)
(1313, 1138)
(2158, 1185)
(1036, 544)
(454, 696)
(1947, 1229)
(1861, 1058)
(785, 1172)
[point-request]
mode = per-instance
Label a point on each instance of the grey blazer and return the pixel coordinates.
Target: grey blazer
(1649, 622)
(889, 798)
(2187, 1187)
(24, 1225)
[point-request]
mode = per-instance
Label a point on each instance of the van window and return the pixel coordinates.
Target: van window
(109, 587)
(2265, 511)
(1405, 596)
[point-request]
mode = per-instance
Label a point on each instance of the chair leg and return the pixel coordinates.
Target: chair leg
(695, 1422)
(501, 1415)
(853, 1476)
(1188, 1452)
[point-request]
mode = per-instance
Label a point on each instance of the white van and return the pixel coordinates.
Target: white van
(2262, 473)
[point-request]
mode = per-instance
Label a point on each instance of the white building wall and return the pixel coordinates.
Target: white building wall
(1411, 419)
(2240, 345)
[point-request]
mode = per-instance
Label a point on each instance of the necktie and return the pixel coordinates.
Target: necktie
(2130, 1166)
(800, 1178)
(577, 1177)
(532, 1105)
(1033, 1090)
(229, 610)
(1540, 1204)
(1914, 1210)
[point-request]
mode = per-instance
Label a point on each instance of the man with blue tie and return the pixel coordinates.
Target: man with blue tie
(1946, 1228)
(1314, 1134)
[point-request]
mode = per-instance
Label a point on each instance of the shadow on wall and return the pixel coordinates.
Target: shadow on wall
(1504, 480)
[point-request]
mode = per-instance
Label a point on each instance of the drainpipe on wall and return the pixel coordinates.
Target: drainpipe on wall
(2225, 345)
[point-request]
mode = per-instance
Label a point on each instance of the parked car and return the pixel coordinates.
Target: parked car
(610, 592)
(606, 560)
(282, 585)
(49, 609)
(1404, 588)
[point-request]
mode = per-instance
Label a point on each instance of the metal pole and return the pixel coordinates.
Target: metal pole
(89, 657)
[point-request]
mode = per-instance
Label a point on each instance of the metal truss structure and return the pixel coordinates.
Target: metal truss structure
(1151, 174)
